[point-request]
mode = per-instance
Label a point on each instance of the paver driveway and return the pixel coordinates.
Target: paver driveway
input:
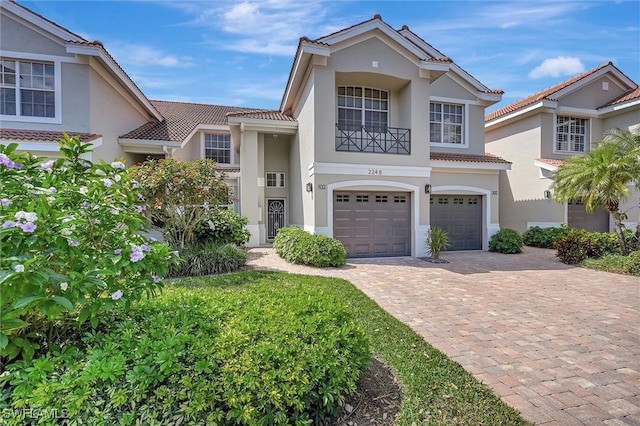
(559, 343)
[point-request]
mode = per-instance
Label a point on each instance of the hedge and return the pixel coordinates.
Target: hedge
(298, 246)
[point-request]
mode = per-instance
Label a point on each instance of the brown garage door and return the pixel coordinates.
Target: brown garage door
(578, 217)
(461, 217)
(371, 224)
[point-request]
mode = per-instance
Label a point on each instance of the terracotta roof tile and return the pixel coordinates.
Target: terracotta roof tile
(551, 161)
(543, 94)
(264, 114)
(16, 135)
(181, 118)
(471, 158)
(629, 96)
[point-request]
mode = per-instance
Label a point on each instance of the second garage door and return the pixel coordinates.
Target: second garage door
(371, 224)
(461, 217)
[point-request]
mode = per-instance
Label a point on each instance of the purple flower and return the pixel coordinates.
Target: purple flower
(5, 202)
(141, 208)
(145, 247)
(140, 197)
(136, 256)
(176, 253)
(74, 243)
(85, 205)
(156, 278)
(47, 165)
(117, 251)
(4, 159)
(117, 165)
(9, 224)
(53, 190)
(117, 295)
(28, 227)
(135, 185)
(18, 268)
(107, 182)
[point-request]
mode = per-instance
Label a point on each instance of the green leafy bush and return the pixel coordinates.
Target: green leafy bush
(616, 263)
(223, 226)
(70, 243)
(506, 241)
(270, 355)
(577, 245)
(543, 237)
(298, 246)
(207, 259)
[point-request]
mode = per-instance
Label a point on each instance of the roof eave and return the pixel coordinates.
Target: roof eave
(99, 52)
(614, 109)
(444, 164)
(544, 105)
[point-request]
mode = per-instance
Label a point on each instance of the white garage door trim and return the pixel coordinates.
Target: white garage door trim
(417, 245)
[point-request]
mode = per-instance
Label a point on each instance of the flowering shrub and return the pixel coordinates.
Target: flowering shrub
(181, 194)
(70, 243)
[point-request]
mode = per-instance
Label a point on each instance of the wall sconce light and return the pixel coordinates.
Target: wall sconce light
(309, 187)
(547, 194)
(427, 188)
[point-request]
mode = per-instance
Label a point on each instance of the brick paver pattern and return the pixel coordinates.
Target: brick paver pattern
(559, 343)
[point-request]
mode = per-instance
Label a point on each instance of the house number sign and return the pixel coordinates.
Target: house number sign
(375, 171)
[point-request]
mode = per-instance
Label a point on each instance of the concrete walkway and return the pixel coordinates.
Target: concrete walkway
(559, 343)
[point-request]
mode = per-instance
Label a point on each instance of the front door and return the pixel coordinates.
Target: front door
(275, 216)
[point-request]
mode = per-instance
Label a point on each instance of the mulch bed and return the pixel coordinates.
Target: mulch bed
(376, 401)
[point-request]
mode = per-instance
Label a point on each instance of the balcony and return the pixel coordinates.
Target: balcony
(383, 140)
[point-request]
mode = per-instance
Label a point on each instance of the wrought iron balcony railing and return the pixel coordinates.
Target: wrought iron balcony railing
(387, 140)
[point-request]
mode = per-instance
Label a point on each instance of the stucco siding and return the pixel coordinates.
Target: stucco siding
(592, 95)
(446, 87)
(111, 115)
(17, 37)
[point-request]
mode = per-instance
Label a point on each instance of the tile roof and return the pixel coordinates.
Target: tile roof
(470, 158)
(42, 135)
(263, 114)
(551, 161)
(543, 94)
(181, 118)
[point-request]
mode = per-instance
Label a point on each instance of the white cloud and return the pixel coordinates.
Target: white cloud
(270, 27)
(558, 66)
(142, 55)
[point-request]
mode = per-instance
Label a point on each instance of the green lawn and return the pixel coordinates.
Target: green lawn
(436, 390)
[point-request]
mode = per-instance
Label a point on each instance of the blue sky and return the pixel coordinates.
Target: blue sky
(231, 52)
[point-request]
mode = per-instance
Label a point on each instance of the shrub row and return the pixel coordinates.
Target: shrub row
(271, 355)
(543, 237)
(298, 246)
(616, 263)
(208, 258)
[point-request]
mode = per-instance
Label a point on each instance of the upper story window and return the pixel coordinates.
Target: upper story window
(571, 134)
(363, 107)
(446, 123)
(275, 180)
(27, 89)
(218, 147)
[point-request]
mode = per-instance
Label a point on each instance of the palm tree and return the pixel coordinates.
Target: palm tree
(600, 177)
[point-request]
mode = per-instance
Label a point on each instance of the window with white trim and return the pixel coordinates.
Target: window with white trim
(446, 123)
(275, 180)
(363, 107)
(217, 146)
(27, 89)
(571, 134)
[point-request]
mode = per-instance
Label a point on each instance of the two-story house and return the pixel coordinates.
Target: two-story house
(379, 136)
(538, 132)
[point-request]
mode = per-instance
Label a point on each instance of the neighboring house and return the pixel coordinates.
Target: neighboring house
(378, 138)
(538, 132)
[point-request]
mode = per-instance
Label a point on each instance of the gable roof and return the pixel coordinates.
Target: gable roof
(550, 93)
(626, 97)
(181, 119)
(79, 45)
(429, 58)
